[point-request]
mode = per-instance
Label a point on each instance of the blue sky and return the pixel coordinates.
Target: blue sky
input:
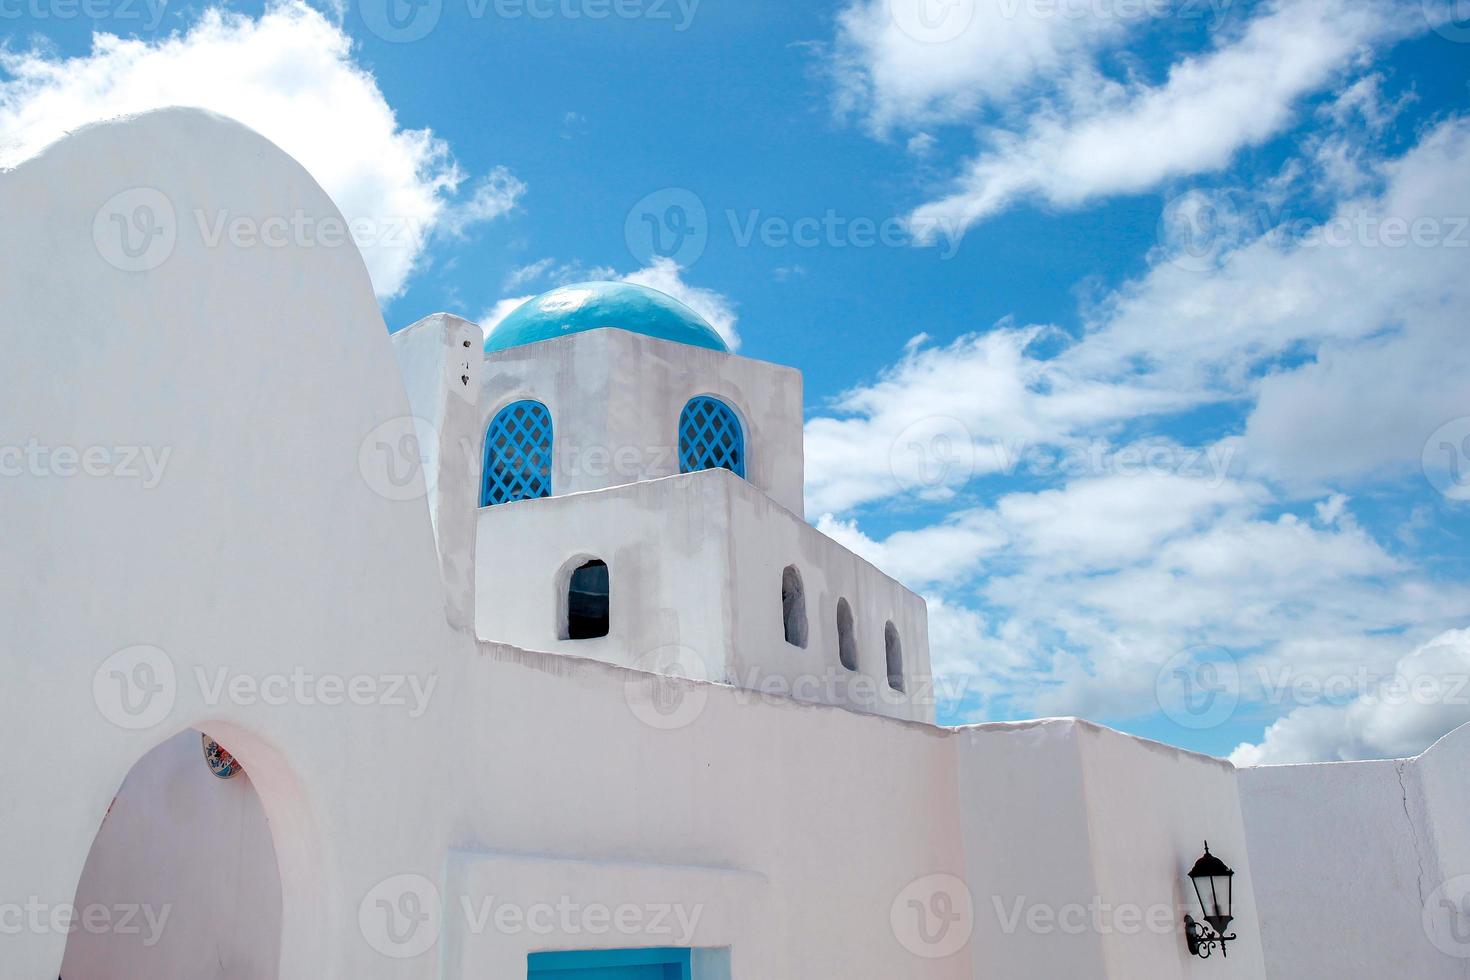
(1133, 331)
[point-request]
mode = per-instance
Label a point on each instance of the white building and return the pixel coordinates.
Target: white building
(529, 664)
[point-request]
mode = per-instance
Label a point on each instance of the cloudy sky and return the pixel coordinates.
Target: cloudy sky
(1134, 331)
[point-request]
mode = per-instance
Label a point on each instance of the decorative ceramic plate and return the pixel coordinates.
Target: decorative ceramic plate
(221, 763)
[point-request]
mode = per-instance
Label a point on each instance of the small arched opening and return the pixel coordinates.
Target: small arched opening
(894, 650)
(587, 605)
(847, 650)
(793, 607)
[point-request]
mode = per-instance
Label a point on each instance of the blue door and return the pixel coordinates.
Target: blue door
(614, 964)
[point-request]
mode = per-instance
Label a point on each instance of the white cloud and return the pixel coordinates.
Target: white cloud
(1339, 358)
(1082, 594)
(1426, 694)
(495, 194)
(1100, 137)
(942, 553)
(491, 318)
(1342, 341)
(290, 75)
(988, 52)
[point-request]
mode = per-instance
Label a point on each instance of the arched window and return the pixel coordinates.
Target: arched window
(894, 650)
(588, 601)
(517, 454)
(793, 607)
(846, 646)
(710, 437)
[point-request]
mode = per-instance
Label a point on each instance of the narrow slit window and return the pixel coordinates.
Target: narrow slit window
(894, 650)
(793, 607)
(847, 651)
(588, 601)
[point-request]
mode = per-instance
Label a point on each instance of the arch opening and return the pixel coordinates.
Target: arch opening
(182, 879)
(793, 607)
(893, 649)
(588, 601)
(847, 650)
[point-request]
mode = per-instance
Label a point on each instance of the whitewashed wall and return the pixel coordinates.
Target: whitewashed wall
(1364, 867)
(695, 564)
(1078, 841)
(615, 399)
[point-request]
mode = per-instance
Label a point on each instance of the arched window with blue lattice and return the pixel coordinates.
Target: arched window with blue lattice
(517, 454)
(710, 437)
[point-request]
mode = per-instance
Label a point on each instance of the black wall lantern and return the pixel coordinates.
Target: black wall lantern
(1212, 879)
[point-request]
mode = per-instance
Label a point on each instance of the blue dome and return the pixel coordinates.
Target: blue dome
(590, 305)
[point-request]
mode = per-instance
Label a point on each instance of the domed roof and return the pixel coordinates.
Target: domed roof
(590, 305)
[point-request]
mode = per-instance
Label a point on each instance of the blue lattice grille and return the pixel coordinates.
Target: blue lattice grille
(710, 437)
(517, 454)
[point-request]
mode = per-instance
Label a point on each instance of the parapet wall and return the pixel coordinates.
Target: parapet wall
(1363, 868)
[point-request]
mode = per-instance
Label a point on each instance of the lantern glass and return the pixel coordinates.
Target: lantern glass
(1213, 886)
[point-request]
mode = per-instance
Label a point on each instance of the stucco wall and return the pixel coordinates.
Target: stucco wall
(1111, 825)
(264, 546)
(765, 538)
(1361, 866)
(438, 452)
(615, 399)
(667, 548)
(695, 564)
(821, 816)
